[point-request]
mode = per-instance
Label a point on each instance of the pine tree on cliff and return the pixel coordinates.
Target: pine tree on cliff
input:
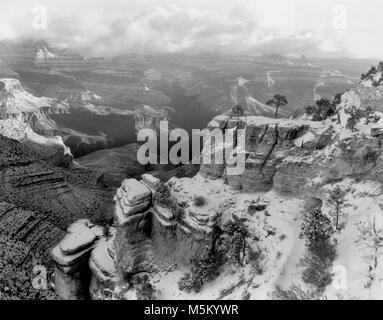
(278, 100)
(337, 200)
(351, 122)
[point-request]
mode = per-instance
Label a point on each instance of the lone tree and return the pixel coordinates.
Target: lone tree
(351, 122)
(316, 230)
(337, 200)
(277, 101)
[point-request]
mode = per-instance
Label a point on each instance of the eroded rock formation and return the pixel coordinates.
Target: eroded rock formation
(25, 118)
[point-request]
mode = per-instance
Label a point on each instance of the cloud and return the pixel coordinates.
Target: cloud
(173, 28)
(100, 27)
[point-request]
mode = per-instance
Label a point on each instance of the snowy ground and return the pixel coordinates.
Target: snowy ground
(283, 250)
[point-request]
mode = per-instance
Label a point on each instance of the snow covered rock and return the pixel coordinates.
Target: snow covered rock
(103, 268)
(131, 198)
(51, 149)
(21, 114)
(134, 191)
(219, 122)
(151, 182)
(15, 101)
(132, 238)
(71, 257)
(77, 241)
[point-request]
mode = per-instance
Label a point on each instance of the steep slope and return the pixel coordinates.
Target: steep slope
(37, 203)
(15, 101)
(22, 116)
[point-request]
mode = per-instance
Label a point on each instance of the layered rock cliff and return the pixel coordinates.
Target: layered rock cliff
(37, 203)
(23, 116)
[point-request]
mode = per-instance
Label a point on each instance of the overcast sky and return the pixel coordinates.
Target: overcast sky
(109, 27)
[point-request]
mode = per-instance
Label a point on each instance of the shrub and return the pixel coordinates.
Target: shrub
(204, 268)
(372, 72)
(236, 244)
(145, 290)
(107, 232)
(295, 293)
(162, 196)
(179, 213)
(323, 109)
(103, 219)
(253, 208)
(199, 201)
(237, 111)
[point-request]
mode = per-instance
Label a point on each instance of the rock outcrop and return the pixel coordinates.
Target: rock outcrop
(297, 156)
(71, 256)
(132, 240)
(51, 149)
(148, 235)
(25, 118)
(16, 102)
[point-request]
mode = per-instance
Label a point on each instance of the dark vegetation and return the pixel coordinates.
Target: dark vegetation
(237, 111)
(145, 290)
(16, 272)
(277, 101)
(295, 292)
(356, 114)
(371, 74)
(323, 108)
(230, 247)
(326, 108)
(199, 201)
(37, 203)
(317, 232)
(204, 267)
(254, 208)
(336, 199)
(103, 218)
(163, 198)
(234, 246)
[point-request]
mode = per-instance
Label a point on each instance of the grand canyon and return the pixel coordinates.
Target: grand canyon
(81, 213)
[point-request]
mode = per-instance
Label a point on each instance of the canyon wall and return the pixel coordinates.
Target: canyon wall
(37, 203)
